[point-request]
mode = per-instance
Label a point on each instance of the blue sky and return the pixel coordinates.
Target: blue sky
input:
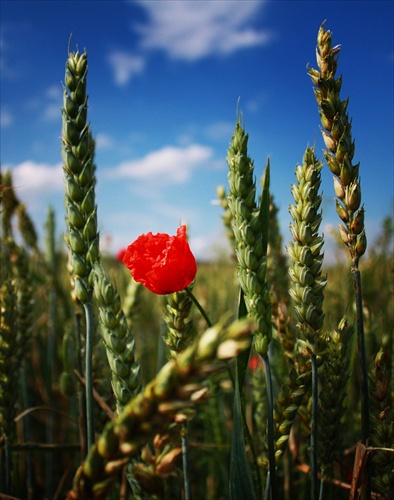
(163, 83)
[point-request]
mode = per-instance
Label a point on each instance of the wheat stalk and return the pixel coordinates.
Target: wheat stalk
(340, 149)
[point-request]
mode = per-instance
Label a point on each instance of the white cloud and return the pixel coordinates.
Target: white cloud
(37, 178)
(191, 30)
(125, 66)
(168, 165)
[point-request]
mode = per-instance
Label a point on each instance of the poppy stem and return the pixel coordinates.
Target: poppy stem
(199, 306)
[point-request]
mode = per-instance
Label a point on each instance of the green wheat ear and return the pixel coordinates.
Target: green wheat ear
(179, 332)
(249, 245)
(334, 377)
(306, 258)
(118, 339)
(79, 172)
(337, 135)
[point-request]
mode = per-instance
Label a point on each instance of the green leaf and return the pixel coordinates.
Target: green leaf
(241, 482)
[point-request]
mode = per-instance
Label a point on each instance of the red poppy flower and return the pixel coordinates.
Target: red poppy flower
(163, 263)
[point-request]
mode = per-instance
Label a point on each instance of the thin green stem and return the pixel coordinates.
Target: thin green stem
(81, 391)
(199, 307)
(313, 456)
(362, 362)
(185, 460)
(270, 429)
(89, 373)
(185, 454)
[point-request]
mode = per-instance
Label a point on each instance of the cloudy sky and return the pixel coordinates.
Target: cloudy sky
(164, 81)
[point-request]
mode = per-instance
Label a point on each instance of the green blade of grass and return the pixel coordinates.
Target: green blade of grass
(241, 482)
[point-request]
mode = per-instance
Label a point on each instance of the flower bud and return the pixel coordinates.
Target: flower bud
(305, 233)
(308, 214)
(328, 109)
(314, 75)
(70, 133)
(86, 176)
(295, 193)
(293, 250)
(354, 196)
(322, 62)
(341, 211)
(70, 160)
(305, 256)
(342, 148)
(294, 213)
(361, 244)
(305, 276)
(324, 39)
(93, 253)
(337, 128)
(80, 120)
(332, 163)
(295, 293)
(339, 189)
(118, 367)
(252, 283)
(70, 79)
(248, 235)
(345, 237)
(74, 215)
(252, 262)
(357, 224)
(90, 229)
(81, 291)
(79, 94)
(78, 266)
(329, 141)
(74, 192)
(326, 122)
(242, 209)
(69, 105)
(261, 344)
(317, 245)
(88, 205)
(347, 174)
(81, 64)
(83, 145)
(77, 244)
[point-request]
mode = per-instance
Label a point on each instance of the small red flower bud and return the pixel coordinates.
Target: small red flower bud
(162, 263)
